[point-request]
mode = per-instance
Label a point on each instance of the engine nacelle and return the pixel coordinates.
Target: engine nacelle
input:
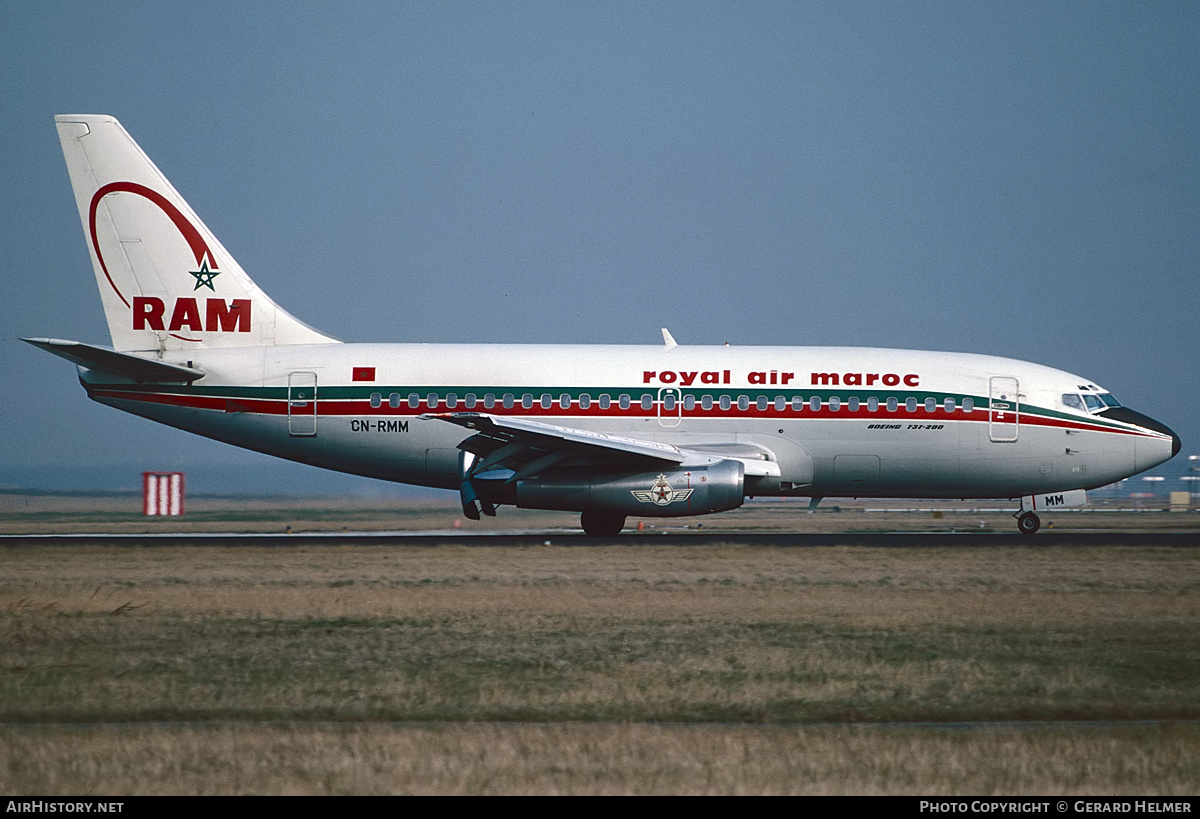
(668, 493)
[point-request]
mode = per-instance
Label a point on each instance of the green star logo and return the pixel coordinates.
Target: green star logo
(204, 276)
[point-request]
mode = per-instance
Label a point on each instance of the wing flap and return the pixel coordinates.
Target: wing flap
(494, 432)
(527, 446)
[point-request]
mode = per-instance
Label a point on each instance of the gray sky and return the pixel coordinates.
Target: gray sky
(1019, 179)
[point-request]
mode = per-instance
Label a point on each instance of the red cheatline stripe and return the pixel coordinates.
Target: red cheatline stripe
(357, 407)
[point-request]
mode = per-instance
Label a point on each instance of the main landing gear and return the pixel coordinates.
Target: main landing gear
(602, 522)
(1029, 523)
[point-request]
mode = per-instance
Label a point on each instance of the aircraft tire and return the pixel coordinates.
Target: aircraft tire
(602, 522)
(1029, 523)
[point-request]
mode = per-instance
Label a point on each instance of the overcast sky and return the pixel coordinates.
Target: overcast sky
(1019, 179)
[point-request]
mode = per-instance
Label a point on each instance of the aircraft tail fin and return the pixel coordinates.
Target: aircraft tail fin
(165, 281)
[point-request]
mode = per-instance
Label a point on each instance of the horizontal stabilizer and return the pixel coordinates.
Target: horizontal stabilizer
(111, 361)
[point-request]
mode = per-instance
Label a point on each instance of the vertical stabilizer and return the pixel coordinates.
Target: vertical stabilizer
(165, 281)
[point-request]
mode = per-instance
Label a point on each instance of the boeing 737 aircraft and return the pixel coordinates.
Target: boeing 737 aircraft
(608, 431)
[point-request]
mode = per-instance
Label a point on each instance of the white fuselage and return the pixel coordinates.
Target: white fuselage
(836, 421)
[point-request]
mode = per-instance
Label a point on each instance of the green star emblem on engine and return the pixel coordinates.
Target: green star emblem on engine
(204, 276)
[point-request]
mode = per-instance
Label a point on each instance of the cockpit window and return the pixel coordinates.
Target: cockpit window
(1089, 402)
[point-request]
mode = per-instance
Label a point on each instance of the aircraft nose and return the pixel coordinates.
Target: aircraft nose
(1129, 416)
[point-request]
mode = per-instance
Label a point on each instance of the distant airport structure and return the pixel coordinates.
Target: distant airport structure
(162, 493)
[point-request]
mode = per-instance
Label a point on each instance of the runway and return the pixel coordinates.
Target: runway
(431, 539)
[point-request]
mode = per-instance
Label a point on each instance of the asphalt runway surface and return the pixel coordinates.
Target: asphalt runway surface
(682, 539)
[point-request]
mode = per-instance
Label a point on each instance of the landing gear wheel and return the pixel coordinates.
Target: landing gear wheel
(1029, 523)
(602, 523)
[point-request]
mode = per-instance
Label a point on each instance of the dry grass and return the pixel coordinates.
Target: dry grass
(604, 641)
(597, 759)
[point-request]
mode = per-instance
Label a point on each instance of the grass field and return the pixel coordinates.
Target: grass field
(597, 759)
(619, 669)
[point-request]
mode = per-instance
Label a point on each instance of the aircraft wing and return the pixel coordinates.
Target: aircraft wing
(526, 447)
(126, 365)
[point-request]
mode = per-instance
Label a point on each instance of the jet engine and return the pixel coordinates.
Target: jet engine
(670, 492)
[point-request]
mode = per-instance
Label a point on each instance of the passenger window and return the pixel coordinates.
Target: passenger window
(414, 400)
(604, 400)
(930, 404)
(968, 404)
(835, 403)
(814, 403)
(647, 401)
(431, 400)
(376, 400)
(547, 400)
(689, 403)
(725, 402)
(853, 403)
(761, 403)
(668, 402)
(780, 403)
(394, 400)
(509, 400)
(489, 400)
(623, 401)
(948, 404)
(798, 404)
(469, 400)
(872, 404)
(564, 401)
(585, 400)
(706, 403)
(451, 400)
(892, 403)
(527, 401)
(910, 405)
(743, 402)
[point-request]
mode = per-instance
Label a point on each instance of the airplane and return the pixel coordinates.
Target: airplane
(607, 431)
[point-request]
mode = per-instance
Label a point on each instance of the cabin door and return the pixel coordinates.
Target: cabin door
(302, 404)
(1004, 409)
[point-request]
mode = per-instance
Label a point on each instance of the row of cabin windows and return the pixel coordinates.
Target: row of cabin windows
(669, 401)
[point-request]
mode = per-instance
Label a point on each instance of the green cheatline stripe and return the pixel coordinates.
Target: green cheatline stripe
(363, 393)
